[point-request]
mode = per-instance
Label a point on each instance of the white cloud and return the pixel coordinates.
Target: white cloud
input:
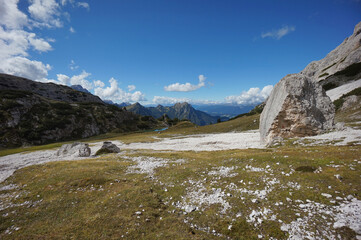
(251, 97)
(279, 33)
(76, 80)
(24, 67)
(72, 30)
(117, 94)
(171, 100)
(39, 43)
(17, 39)
(131, 88)
(186, 87)
(98, 83)
(64, 79)
(73, 66)
(10, 15)
(84, 5)
(45, 12)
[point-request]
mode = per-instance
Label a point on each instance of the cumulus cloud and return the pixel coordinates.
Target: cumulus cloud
(279, 33)
(116, 94)
(80, 79)
(186, 87)
(131, 88)
(99, 83)
(17, 37)
(45, 13)
(24, 67)
(72, 30)
(251, 97)
(10, 15)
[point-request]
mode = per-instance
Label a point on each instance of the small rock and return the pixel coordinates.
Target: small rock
(189, 209)
(338, 177)
(138, 213)
(108, 147)
(349, 197)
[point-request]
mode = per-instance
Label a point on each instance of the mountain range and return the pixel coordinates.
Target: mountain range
(179, 110)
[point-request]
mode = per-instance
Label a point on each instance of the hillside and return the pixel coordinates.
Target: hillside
(31, 113)
(179, 110)
(47, 90)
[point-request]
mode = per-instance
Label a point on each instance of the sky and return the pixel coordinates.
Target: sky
(168, 51)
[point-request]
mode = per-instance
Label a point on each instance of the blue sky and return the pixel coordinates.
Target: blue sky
(164, 51)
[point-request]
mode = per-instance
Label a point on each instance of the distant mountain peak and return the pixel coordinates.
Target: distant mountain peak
(79, 88)
(179, 110)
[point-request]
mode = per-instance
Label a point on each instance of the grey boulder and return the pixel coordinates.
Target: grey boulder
(296, 107)
(76, 149)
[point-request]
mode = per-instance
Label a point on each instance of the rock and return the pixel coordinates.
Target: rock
(108, 147)
(296, 107)
(76, 149)
(345, 55)
(351, 102)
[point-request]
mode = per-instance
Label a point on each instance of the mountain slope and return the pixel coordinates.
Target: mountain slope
(179, 110)
(341, 65)
(27, 117)
(48, 90)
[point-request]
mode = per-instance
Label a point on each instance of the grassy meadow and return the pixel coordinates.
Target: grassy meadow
(145, 194)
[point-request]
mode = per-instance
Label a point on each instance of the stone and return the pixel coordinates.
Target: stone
(351, 103)
(296, 107)
(76, 149)
(346, 54)
(108, 147)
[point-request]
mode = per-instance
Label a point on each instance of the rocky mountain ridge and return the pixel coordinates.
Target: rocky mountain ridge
(31, 115)
(48, 90)
(179, 110)
(341, 65)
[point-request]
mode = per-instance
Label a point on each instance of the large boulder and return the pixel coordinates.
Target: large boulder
(76, 149)
(108, 147)
(296, 107)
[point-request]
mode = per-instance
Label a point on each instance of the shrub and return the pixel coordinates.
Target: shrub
(329, 86)
(305, 169)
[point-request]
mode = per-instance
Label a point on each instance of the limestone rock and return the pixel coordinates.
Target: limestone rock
(351, 103)
(346, 54)
(108, 147)
(297, 107)
(76, 149)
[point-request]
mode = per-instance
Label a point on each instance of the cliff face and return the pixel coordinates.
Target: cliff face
(341, 65)
(27, 117)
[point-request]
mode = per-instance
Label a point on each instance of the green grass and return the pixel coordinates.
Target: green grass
(99, 198)
(323, 75)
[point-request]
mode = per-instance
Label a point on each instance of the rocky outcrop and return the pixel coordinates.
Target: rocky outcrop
(342, 58)
(297, 107)
(76, 149)
(108, 147)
